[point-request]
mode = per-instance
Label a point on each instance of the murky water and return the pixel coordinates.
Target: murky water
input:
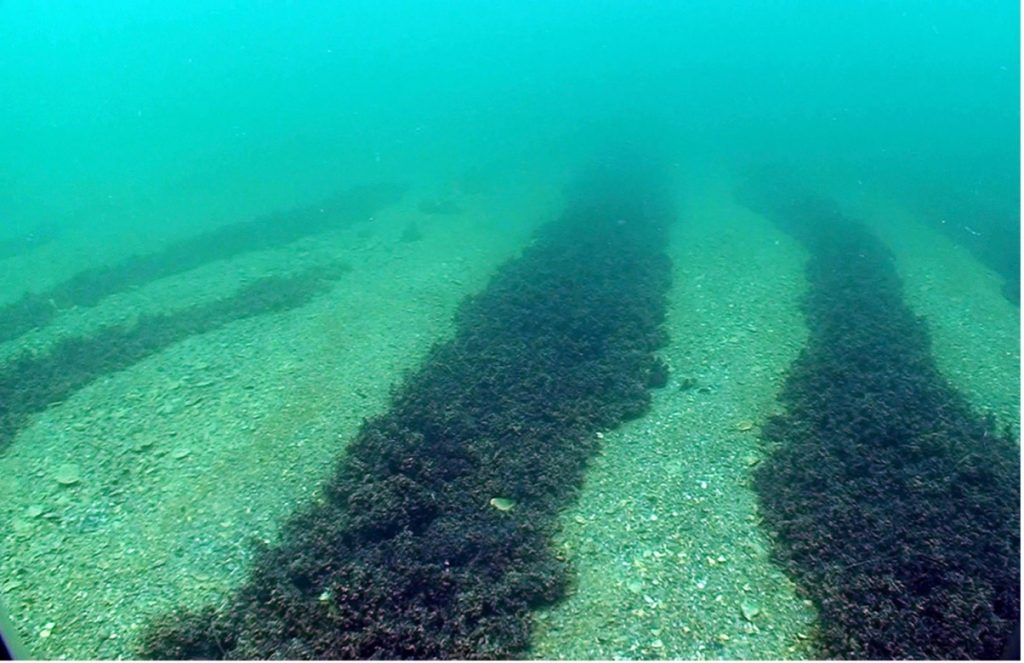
(501, 329)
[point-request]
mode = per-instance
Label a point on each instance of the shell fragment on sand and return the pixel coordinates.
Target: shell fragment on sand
(502, 503)
(68, 474)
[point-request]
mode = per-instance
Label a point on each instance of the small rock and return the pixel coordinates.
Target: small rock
(580, 519)
(68, 474)
(34, 511)
(657, 644)
(744, 426)
(502, 503)
(749, 610)
(635, 586)
(178, 454)
(686, 384)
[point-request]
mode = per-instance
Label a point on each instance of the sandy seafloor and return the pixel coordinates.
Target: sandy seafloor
(217, 439)
(263, 407)
(665, 537)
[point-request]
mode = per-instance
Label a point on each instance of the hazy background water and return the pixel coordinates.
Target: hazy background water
(126, 124)
(139, 117)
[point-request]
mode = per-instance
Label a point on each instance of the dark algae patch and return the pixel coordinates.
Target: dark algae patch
(90, 287)
(895, 507)
(432, 540)
(13, 247)
(30, 383)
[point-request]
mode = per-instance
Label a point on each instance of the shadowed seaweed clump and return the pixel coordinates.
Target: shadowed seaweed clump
(657, 376)
(411, 233)
(433, 538)
(895, 506)
(12, 247)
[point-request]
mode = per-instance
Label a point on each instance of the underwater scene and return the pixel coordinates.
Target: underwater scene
(510, 329)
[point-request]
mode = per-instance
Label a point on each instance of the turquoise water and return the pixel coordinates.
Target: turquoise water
(151, 115)
(228, 230)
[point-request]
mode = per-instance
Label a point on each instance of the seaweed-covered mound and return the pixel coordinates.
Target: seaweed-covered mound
(91, 286)
(33, 381)
(408, 554)
(895, 506)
